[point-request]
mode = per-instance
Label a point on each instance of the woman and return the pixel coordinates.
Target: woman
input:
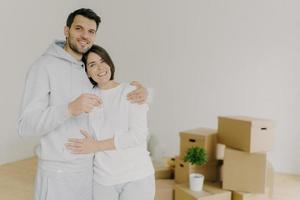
(122, 167)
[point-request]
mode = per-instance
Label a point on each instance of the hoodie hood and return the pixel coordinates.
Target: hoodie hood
(56, 49)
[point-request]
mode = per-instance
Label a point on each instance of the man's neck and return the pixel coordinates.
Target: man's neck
(75, 55)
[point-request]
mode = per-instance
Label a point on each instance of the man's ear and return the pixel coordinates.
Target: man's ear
(66, 31)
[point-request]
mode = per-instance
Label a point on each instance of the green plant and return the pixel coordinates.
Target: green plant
(196, 156)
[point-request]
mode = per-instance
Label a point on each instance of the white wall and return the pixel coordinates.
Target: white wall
(203, 58)
(209, 58)
(27, 29)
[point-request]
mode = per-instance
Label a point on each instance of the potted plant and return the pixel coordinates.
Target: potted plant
(196, 156)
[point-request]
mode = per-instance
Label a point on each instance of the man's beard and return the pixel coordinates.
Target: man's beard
(75, 48)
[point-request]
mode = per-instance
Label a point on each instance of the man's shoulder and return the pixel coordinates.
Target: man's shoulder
(46, 61)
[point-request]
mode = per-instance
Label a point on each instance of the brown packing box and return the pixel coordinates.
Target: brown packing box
(210, 192)
(163, 169)
(164, 189)
(201, 137)
(245, 172)
(270, 180)
(162, 172)
(246, 133)
(249, 196)
(183, 169)
(255, 196)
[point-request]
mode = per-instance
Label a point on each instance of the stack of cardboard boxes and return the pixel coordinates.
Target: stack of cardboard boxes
(206, 138)
(247, 175)
(246, 170)
(203, 137)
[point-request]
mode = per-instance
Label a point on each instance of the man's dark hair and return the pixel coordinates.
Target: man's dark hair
(85, 12)
(105, 57)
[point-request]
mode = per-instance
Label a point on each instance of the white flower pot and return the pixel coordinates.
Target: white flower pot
(196, 181)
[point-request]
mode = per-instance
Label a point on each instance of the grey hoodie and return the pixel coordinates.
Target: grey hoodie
(53, 81)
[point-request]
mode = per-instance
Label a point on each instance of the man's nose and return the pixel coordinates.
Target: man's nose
(85, 34)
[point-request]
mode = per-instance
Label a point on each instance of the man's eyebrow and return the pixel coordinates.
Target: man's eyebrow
(78, 25)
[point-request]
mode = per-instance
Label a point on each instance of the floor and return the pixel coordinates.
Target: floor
(17, 181)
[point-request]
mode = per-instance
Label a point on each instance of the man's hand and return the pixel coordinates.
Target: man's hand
(83, 146)
(139, 95)
(84, 104)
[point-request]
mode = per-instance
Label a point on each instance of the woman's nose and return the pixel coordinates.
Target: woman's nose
(100, 66)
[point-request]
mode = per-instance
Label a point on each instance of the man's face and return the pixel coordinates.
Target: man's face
(81, 35)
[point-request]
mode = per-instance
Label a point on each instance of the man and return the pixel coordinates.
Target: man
(55, 105)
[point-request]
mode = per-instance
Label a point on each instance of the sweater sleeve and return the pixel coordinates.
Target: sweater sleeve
(137, 132)
(37, 117)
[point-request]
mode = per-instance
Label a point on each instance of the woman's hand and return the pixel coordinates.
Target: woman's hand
(83, 146)
(139, 95)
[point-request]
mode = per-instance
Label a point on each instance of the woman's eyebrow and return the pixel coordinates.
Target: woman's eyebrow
(91, 62)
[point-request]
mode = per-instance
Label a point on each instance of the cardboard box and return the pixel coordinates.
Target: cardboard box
(183, 169)
(164, 169)
(210, 192)
(162, 172)
(249, 196)
(164, 189)
(245, 172)
(270, 180)
(201, 137)
(246, 133)
(268, 195)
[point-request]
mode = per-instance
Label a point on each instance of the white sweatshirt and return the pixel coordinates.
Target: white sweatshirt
(127, 123)
(53, 81)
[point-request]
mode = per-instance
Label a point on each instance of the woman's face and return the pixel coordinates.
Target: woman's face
(97, 69)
